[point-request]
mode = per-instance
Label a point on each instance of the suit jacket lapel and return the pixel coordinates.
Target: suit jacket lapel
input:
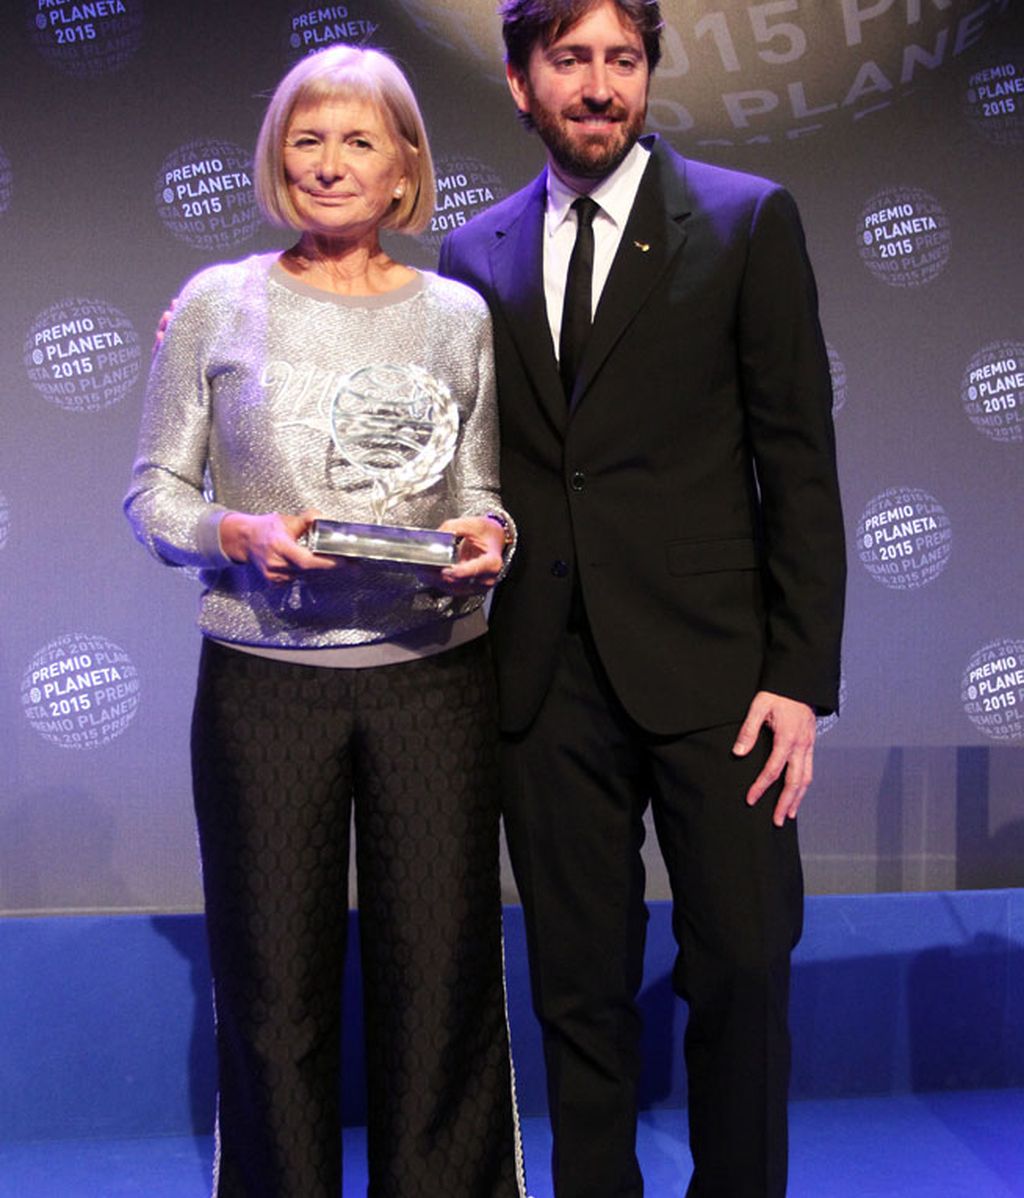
(517, 265)
(654, 234)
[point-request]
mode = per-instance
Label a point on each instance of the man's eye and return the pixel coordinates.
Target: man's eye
(565, 62)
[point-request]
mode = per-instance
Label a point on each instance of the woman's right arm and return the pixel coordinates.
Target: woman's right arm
(269, 542)
(167, 503)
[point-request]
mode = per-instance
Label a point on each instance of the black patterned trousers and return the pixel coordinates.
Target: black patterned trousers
(282, 754)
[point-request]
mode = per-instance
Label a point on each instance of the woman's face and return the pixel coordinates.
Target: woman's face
(343, 169)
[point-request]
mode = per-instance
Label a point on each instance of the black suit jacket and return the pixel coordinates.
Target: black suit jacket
(692, 483)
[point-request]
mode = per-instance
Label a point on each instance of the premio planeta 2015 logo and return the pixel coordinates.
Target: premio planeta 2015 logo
(994, 99)
(992, 391)
(82, 354)
(316, 26)
(904, 236)
(204, 194)
(904, 538)
(86, 38)
(80, 691)
(992, 689)
(465, 186)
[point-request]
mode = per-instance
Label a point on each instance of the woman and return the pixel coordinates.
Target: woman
(333, 380)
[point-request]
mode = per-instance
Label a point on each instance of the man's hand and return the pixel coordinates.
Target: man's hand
(161, 328)
(793, 730)
(480, 550)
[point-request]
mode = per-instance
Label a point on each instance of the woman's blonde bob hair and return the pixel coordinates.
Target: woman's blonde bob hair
(347, 73)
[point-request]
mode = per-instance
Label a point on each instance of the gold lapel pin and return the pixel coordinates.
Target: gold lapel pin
(642, 246)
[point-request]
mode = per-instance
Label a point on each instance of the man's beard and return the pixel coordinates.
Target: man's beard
(587, 157)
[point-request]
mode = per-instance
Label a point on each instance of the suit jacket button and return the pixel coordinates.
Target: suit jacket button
(559, 568)
(578, 481)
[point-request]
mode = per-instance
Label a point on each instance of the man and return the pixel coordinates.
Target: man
(671, 623)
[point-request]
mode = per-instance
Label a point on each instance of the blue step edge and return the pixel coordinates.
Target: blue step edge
(108, 1030)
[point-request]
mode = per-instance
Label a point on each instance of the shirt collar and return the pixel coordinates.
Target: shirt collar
(615, 193)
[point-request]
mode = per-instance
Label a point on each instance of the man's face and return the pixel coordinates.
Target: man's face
(587, 95)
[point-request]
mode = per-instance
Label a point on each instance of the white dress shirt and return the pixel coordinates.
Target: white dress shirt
(614, 195)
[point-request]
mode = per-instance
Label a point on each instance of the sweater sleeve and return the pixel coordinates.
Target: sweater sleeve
(477, 461)
(166, 504)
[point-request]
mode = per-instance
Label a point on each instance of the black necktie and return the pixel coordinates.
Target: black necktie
(576, 312)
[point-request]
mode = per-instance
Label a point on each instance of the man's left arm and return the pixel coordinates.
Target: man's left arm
(787, 397)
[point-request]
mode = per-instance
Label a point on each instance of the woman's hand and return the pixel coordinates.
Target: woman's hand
(480, 555)
(270, 543)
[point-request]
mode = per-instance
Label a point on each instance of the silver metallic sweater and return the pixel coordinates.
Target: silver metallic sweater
(271, 395)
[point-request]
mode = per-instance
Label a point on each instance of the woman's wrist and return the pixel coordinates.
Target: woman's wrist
(233, 536)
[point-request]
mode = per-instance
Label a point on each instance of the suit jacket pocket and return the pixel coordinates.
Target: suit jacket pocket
(710, 557)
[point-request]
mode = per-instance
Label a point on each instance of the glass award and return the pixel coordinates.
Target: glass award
(396, 428)
(384, 543)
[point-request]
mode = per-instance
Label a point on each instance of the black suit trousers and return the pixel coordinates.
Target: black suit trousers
(578, 782)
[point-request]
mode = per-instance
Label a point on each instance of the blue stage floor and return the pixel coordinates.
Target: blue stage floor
(967, 1144)
(908, 1068)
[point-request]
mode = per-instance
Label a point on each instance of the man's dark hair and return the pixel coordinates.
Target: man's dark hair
(524, 23)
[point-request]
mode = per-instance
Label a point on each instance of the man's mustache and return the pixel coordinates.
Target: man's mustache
(609, 112)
